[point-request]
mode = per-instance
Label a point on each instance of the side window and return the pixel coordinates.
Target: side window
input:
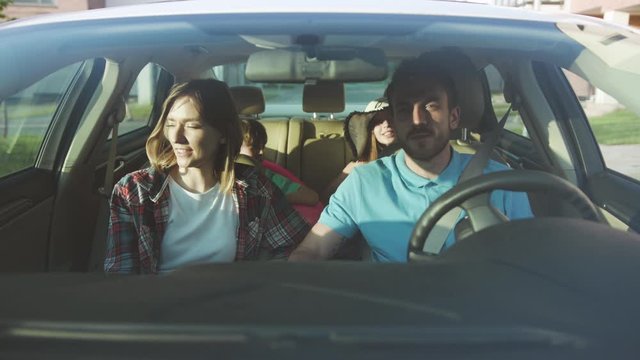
(514, 123)
(616, 128)
(141, 99)
(26, 116)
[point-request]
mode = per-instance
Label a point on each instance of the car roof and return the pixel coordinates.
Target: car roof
(221, 33)
(400, 7)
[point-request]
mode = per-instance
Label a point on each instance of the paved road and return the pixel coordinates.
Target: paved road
(622, 158)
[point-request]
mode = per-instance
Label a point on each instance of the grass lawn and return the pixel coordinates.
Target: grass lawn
(617, 128)
(20, 111)
(139, 112)
(18, 156)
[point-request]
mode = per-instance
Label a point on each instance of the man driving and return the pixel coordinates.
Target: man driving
(384, 199)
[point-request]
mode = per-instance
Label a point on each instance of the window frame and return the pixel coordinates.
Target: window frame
(614, 193)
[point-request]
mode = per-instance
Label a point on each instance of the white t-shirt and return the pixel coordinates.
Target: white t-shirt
(202, 228)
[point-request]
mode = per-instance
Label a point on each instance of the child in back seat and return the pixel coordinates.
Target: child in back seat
(369, 135)
(304, 199)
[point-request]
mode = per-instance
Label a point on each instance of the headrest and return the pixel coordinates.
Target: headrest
(248, 100)
(323, 97)
(355, 131)
(468, 82)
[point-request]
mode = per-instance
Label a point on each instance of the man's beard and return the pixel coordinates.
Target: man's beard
(438, 143)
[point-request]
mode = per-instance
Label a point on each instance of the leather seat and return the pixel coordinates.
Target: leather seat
(249, 102)
(311, 148)
(474, 98)
(324, 152)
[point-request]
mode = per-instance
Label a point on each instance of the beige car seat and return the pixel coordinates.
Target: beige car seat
(474, 99)
(250, 103)
(324, 152)
(312, 148)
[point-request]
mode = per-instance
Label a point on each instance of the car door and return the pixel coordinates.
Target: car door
(595, 145)
(606, 134)
(81, 210)
(38, 122)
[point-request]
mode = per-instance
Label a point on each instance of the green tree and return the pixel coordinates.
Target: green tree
(4, 4)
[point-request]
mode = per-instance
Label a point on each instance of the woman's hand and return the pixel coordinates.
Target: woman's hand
(350, 166)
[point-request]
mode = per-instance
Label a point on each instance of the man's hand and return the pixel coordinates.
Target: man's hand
(320, 244)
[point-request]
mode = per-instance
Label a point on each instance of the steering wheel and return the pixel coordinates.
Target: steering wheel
(479, 210)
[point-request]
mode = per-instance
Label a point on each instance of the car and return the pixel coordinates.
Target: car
(560, 285)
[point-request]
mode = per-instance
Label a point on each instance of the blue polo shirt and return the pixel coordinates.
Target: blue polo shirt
(384, 199)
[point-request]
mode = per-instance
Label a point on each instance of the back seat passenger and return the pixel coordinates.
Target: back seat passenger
(249, 102)
(314, 150)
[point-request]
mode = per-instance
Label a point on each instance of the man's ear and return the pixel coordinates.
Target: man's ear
(454, 118)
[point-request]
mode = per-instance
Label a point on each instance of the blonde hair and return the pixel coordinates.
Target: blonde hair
(216, 107)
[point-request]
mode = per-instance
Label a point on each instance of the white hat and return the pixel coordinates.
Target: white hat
(377, 105)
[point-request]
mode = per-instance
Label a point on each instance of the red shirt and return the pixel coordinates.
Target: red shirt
(310, 212)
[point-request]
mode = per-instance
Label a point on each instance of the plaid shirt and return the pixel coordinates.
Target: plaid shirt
(268, 226)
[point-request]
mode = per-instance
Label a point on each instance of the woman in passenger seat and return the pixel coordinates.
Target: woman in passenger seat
(194, 204)
(304, 199)
(369, 135)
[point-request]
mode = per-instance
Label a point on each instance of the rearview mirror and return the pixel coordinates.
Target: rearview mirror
(344, 64)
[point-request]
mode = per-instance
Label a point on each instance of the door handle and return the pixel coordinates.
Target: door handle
(119, 165)
(14, 209)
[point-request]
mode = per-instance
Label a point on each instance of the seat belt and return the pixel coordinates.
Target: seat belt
(96, 257)
(438, 235)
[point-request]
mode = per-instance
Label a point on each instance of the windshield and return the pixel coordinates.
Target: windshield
(160, 199)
